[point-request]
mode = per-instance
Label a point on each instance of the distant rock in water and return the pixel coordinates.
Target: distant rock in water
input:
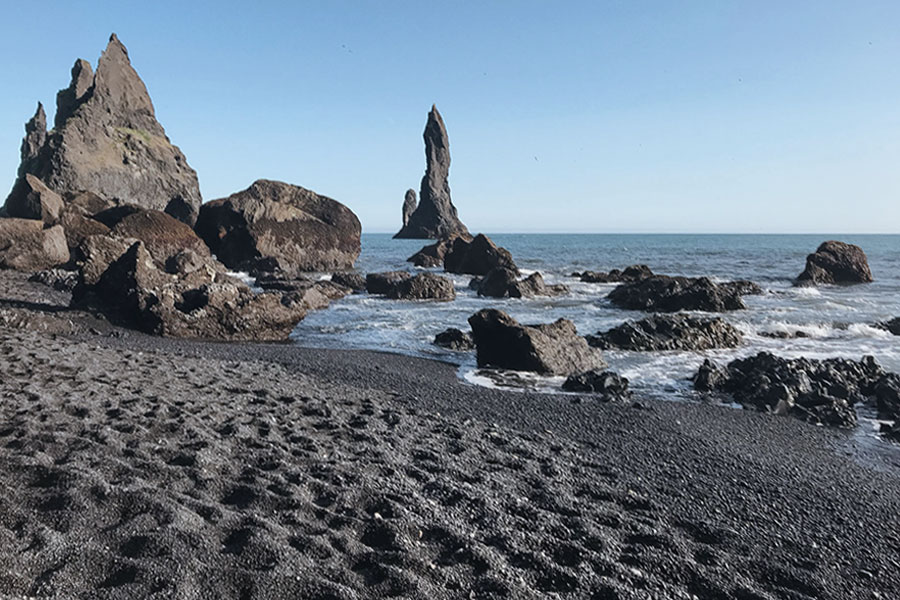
(669, 332)
(433, 255)
(503, 283)
(478, 256)
(836, 263)
(662, 293)
(424, 286)
(550, 349)
(107, 140)
(275, 226)
(435, 217)
(893, 326)
(382, 283)
(632, 273)
(409, 205)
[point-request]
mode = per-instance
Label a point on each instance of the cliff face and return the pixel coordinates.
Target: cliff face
(107, 140)
(435, 217)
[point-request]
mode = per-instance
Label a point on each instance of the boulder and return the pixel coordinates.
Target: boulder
(669, 332)
(424, 286)
(382, 283)
(662, 293)
(632, 273)
(107, 140)
(163, 235)
(550, 349)
(432, 255)
(79, 227)
(477, 256)
(409, 205)
(275, 226)
(31, 199)
(26, 245)
(350, 279)
(608, 385)
(435, 216)
(455, 339)
(836, 263)
(892, 326)
(503, 283)
(819, 391)
(96, 253)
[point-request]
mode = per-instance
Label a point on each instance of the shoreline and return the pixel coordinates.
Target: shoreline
(270, 470)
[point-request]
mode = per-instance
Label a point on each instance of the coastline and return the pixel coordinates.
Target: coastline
(148, 467)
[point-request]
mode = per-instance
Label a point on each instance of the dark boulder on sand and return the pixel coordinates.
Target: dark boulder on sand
(669, 332)
(477, 256)
(27, 245)
(608, 385)
(836, 263)
(503, 283)
(454, 339)
(435, 217)
(107, 140)
(819, 391)
(550, 349)
(424, 286)
(275, 226)
(662, 293)
(632, 273)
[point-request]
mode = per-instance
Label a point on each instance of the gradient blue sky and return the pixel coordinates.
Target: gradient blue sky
(603, 116)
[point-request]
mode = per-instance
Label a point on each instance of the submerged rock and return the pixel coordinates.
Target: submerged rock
(836, 263)
(669, 332)
(107, 140)
(424, 286)
(662, 293)
(477, 256)
(818, 391)
(26, 245)
(435, 216)
(632, 273)
(503, 283)
(275, 226)
(551, 349)
(608, 385)
(454, 339)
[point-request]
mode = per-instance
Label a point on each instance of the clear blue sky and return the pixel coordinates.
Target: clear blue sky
(600, 116)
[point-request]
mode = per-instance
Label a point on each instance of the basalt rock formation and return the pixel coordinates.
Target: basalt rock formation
(107, 140)
(435, 217)
(478, 256)
(274, 226)
(409, 205)
(836, 263)
(662, 293)
(503, 283)
(669, 332)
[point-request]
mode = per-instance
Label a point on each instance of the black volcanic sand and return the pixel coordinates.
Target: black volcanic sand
(134, 467)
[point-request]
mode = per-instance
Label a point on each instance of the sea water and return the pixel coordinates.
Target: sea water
(837, 320)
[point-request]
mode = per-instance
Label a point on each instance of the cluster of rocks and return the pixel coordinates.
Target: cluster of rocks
(504, 283)
(628, 274)
(819, 391)
(669, 332)
(402, 285)
(662, 293)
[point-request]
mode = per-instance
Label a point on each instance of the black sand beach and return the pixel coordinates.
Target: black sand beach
(140, 467)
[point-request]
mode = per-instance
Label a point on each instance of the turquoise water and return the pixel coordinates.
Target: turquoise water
(838, 320)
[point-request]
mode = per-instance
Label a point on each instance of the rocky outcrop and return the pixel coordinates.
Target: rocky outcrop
(275, 226)
(609, 386)
(424, 286)
(632, 273)
(198, 300)
(477, 256)
(107, 140)
(818, 391)
(409, 205)
(669, 332)
(350, 279)
(662, 293)
(503, 283)
(454, 339)
(433, 255)
(163, 236)
(435, 217)
(31, 199)
(382, 283)
(836, 263)
(26, 245)
(550, 349)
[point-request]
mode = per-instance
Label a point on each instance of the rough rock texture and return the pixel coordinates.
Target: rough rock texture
(163, 236)
(200, 301)
(349, 279)
(432, 255)
(107, 141)
(662, 293)
(632, 273)
(893, 325)
(79, 227)
(550, 349)
(424, 286)
(25, 245)
(435, 217)
(503, 283)
(818, 391)
(609, 385)
(669, 332)
(455, 339)
(31, 199)
(836, 263)
(58, 279)
(275, 226)
(409, 205)
(382, 283)
(477, 256)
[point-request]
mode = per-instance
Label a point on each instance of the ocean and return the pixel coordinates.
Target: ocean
(837, 320)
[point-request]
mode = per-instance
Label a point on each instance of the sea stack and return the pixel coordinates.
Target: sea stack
(107, 141)
(409, 205)
(435, 216)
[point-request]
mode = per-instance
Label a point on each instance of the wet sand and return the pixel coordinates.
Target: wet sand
(138, 467)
